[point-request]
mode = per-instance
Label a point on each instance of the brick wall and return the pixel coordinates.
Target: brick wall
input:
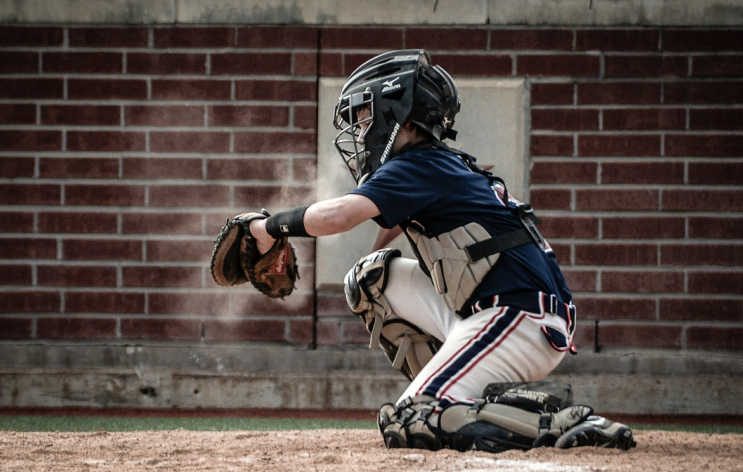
(123, 149)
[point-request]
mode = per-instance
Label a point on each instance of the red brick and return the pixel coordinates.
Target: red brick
(190, 141)
(552, 94)
(106, 89)
(642, 173)
(246, 169)
(184, 250)
(87, 168)
(162, 168)
(562, 253)
(715, 282)
(176, 89)
(83, 115)
(189, 195)
(642, 227)
(328, 333)
(642, 282)
(701, 254)
(706, 145)
(716, 119)
(301, 37)
(35, 140)
(76, 328)
(105, 141)
(702, 200)
(249, 115)
(616, 308)
(551, 145)
(461, 39)
(15, 275)
(275, 142)
(702, 40)
(646, 66)
(548, 199)
(640, 336)
(126, 37)
(30, 194)
(244, 330)
(165, 63)
(701, 309)
(17, 114)
(275, 90)
(585, 335)
(354, 332)
(164, 115)
(558, 65)
(274, 196)
(164, 303)
(618, 93)
(154, 276)
(563, 172)
(331, 64)
(257, 304)
(253, 63)
(616, 40)
(603, 145)
(703, 93)
(30, 36)
(616, 254)
(82, 62)
(563, 119)
(165, 329)
(161, 223)
(332, 304)
(644, 119)
(569, 227)
(361, 38)
(706, 227)
(716, 173)
(534, 39)
(17, 167)
(710, 337)
(101, 250)
(19, 62)
(304, 169)
(616, 200)
(76, 276)
(29, 302)
(352, 61)
(475, 65)
(16, 222)
(300, 332)
(305, 117)
(16, 328)
(104, 302)
(100, 194)
(305, 63)
(194, 37)
(717, 66)
(581, 281)
(77, 222)
(19, 89)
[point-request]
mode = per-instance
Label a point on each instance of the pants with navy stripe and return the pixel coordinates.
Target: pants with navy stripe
(499, 344)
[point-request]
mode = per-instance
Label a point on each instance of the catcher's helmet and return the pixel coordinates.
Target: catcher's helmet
(396, 86)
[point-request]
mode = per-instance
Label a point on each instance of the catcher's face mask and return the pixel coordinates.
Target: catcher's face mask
(354, 117)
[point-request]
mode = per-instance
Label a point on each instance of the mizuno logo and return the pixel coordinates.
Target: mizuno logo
(391, 85)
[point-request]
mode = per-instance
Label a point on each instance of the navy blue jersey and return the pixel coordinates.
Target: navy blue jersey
(437, 189)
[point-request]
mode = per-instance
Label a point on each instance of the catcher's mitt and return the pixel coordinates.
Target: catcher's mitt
(236, 259)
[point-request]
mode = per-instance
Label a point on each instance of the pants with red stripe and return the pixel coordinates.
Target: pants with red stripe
(499, 344)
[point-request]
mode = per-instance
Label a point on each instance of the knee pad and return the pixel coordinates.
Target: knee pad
(408, 347)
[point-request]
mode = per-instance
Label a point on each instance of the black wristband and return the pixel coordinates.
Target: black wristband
(287, 223)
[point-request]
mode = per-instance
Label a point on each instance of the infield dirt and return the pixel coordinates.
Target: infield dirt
(345, 451)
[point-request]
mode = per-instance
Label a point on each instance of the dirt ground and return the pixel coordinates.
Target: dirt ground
(345, 451)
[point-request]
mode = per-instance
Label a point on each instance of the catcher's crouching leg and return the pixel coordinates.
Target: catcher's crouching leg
(407, 346)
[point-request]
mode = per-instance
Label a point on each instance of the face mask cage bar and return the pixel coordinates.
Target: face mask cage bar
(353, 124)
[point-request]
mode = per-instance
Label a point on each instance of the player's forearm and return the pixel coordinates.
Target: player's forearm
(338, 215)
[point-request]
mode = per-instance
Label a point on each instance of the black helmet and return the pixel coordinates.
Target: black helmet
(396, 86)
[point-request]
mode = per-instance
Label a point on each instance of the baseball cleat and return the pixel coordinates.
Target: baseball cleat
(599, 432)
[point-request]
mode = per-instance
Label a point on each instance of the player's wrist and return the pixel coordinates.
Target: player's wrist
(288, 223)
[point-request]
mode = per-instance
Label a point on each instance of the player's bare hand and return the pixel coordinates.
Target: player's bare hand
(264, 241)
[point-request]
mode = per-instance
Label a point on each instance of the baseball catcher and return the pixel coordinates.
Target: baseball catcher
(482, 314)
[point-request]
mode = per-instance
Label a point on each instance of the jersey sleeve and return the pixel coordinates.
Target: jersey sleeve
(401, 188)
